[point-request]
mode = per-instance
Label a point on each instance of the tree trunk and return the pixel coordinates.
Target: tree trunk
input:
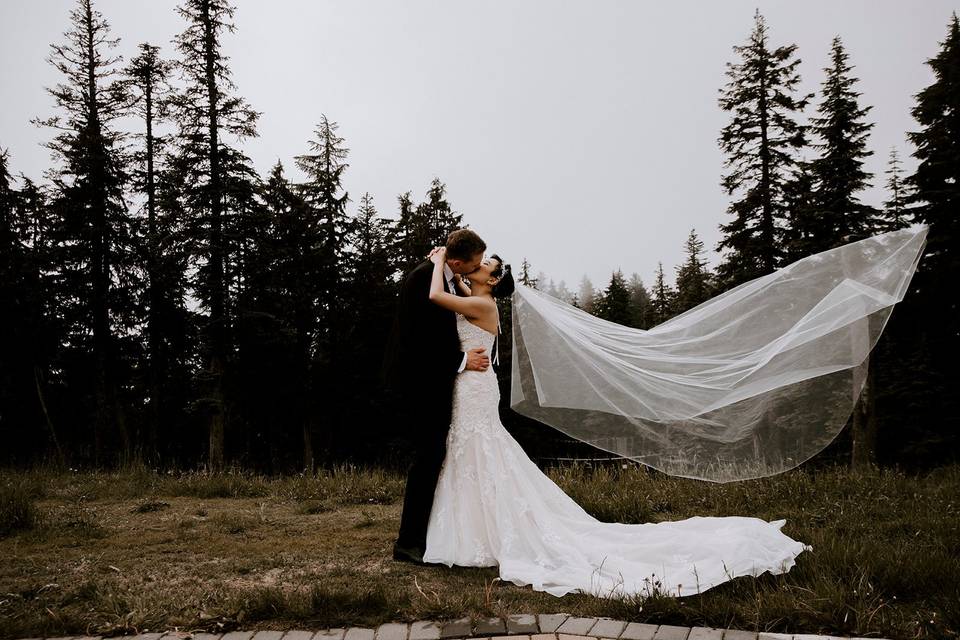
(109, 412)
(865, 424)
(218, 346)
(156, 367)
(43, 405)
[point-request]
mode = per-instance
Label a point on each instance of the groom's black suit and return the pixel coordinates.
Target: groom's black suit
(421, 364)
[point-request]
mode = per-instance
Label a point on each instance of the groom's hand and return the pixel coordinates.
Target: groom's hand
(477, 360)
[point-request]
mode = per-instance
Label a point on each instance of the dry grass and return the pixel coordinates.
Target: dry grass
(136, 551)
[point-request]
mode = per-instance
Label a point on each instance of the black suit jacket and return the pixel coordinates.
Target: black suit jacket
(423, 354)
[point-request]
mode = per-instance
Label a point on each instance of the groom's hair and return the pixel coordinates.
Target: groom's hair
(464, 244)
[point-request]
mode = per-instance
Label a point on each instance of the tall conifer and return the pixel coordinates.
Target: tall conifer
(760, 143)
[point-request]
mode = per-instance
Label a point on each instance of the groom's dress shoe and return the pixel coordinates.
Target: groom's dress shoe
(408, 554)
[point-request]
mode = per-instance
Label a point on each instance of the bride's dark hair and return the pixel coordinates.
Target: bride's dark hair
(505, 286)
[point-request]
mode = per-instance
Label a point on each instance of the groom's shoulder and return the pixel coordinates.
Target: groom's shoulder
(420, 270)
(417, 276)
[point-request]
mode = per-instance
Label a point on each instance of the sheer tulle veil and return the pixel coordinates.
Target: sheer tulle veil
(748, 384)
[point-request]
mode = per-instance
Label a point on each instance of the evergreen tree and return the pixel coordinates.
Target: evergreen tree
(934, 200)
(181, 324)
(693, 279)
(324, 170)
(760, 143)
(13, 372)
(614, 303)
(550, 288)
(369, 243)
(287, 310)
(834, 214)
(30, 331)
(421, 227)
(148, 83)
(662, 298)
(327, 202)
(265, 382)
(95, 253)
(441, 219)
(204, 111)
(804, 225)
(640, 305)
(411, 237)
(838, 173)
(936, 181)
(894, 211)
(372, 297)
(525, 278)
(563, 293)
(586, 295)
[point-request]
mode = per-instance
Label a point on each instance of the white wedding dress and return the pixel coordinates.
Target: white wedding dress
(493, 506)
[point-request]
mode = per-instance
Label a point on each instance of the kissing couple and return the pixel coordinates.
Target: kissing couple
(475, 499)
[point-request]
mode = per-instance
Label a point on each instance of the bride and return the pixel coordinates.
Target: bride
(494, 507)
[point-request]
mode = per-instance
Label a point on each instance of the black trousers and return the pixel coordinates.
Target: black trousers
(429, 424)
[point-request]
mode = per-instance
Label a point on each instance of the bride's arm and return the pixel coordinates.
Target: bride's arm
(461, 285)
(469, 306)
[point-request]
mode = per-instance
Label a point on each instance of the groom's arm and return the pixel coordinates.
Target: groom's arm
(414, 305)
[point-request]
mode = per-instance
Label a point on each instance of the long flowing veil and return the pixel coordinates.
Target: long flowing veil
(748, 384)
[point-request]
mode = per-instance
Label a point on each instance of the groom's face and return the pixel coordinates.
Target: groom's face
(464, 267)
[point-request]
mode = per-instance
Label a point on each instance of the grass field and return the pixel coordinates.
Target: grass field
(135, 551)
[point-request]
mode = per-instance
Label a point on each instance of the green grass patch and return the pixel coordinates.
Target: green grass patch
(136, 551)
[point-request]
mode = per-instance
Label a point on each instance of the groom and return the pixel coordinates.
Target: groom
(422, 361)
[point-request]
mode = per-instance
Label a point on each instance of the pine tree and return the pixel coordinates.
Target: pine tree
(693, 279)
(836, 215)
(204, 111)
(441, 218)
(421, 227)
(804, 224)
(551, 287)
(12, 365)
(180, 323)
(934, 200)
(369, 243)
(563, 293)
(838, 173)
(662, 298)
(327, 201)
(894, 211)
(95, 248)
(9, 238)
(372, 296)
(586, 295)
(30, 330)
(289, 294)
(265, 382)
(525, 278)
(614, 303)
(324, 170)
(935, 183)
(760, 143)
(411, 238)
(148, 78)
(640, 305)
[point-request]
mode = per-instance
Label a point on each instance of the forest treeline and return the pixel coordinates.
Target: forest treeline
(163, 302)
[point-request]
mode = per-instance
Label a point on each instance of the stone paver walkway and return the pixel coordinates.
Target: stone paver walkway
(558, 626)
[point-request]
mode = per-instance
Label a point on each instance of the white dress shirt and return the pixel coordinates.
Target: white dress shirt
(448, 275)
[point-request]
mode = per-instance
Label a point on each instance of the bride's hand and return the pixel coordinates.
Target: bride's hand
(438, 255)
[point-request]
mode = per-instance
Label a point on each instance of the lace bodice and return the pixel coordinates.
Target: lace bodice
(472, 336)
(475, 393)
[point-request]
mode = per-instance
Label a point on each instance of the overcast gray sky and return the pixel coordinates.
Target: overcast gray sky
(581, 135)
